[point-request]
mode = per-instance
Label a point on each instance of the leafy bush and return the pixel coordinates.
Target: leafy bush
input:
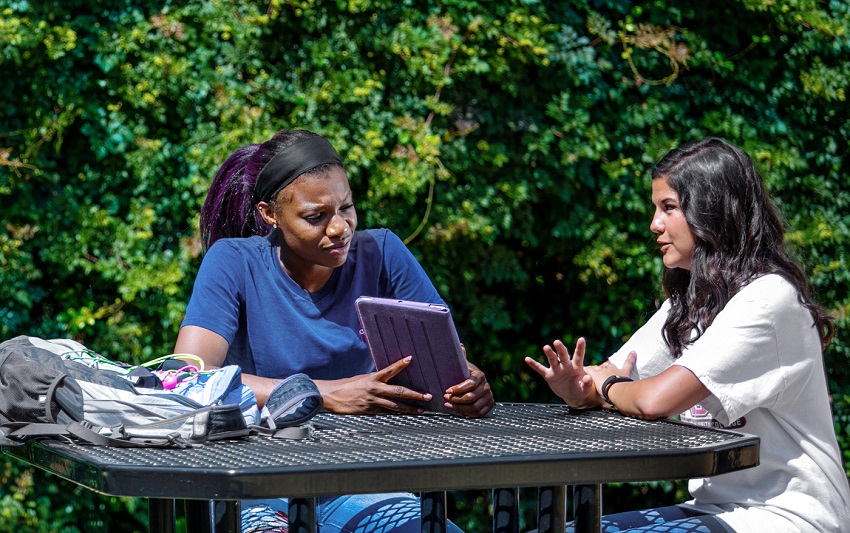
(509, 141)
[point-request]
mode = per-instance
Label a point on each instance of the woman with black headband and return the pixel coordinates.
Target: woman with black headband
(275, 295)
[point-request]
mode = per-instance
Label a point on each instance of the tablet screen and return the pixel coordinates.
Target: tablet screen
(394, 329)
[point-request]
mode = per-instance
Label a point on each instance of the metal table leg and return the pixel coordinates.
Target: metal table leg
(226, 516)
(587, 506)
(505, 511)
(161, 515)
(433, 512)
(302, 515)
(551, 509)
(198, 515)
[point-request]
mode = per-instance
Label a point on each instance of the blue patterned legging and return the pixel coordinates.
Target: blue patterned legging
(673, 519)
(363, 513)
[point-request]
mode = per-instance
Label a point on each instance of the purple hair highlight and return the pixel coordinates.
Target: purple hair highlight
(229, 209)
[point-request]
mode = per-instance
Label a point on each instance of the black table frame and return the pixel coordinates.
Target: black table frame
(517, 445)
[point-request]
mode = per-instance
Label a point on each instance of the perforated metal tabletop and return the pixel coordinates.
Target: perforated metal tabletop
(517, 445)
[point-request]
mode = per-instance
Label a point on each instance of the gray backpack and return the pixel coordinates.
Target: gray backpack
(44, 393)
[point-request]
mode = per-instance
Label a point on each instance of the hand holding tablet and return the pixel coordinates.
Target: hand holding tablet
(394, 329)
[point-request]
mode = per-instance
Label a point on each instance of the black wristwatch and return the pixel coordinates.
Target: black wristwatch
(610, 380)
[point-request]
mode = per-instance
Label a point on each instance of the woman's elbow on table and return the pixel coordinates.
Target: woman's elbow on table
(649, 408)
(668, 394)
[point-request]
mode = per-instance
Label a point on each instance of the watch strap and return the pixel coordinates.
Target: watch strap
(610, 380)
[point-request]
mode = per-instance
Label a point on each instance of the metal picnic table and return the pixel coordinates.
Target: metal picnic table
(517, 445)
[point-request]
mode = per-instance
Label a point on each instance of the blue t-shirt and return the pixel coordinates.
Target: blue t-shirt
(275, 328)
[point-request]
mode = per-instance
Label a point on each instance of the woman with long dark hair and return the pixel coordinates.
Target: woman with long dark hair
(275, 295)
(738, 343)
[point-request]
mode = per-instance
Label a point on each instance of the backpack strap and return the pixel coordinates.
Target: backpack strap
(17, 433)
(305, 431)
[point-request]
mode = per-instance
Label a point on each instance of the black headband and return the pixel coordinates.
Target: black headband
(291, 162)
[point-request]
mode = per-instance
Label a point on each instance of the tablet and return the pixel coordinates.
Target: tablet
(394, 329)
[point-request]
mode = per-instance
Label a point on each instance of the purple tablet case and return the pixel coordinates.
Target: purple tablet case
(394, 329)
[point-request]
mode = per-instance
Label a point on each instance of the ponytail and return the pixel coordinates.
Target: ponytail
(229, 210)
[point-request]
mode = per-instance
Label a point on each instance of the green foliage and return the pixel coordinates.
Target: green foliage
(34, 501)
(508, 141)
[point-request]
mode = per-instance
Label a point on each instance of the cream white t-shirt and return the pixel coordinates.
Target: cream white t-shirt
(762, 361)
